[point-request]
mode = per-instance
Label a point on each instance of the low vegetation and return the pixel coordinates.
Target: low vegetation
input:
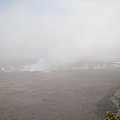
(111, 116)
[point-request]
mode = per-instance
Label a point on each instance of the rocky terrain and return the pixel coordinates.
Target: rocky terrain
(57, 95)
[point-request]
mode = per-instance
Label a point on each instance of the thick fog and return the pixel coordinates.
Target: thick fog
(60, 31)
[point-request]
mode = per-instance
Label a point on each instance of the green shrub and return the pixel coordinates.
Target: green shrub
(111, 116)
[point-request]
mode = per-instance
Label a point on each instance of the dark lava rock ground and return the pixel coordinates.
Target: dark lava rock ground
(57, 95)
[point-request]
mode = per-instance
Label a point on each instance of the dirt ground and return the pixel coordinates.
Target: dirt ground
(56, 95)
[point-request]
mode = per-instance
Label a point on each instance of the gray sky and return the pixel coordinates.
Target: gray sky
(60, 30)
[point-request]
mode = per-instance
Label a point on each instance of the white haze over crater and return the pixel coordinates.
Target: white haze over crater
(60, 32)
